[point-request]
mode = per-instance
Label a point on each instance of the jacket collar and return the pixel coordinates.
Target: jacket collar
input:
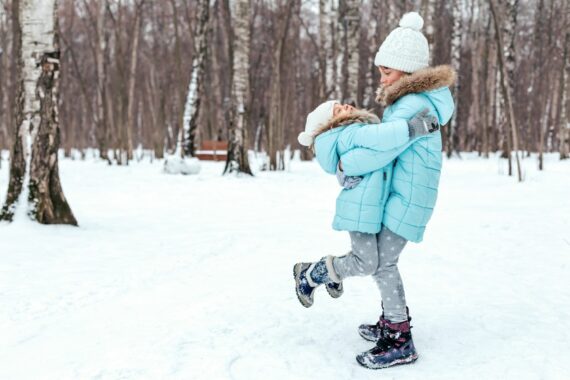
(422, 80)
(356, 116)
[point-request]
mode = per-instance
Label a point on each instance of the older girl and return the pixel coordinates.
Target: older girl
(408, 85)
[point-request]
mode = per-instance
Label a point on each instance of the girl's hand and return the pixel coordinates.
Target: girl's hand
(422, 124)
(348, 182)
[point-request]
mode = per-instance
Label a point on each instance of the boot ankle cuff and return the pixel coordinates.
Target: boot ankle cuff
(398, 326)
(330, 269)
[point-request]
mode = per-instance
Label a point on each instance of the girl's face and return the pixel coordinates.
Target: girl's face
(388, 76)
(342, 109)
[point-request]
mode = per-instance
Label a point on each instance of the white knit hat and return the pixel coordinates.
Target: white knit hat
(316, 119)
(406, 48)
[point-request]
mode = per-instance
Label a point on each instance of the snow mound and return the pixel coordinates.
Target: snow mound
(179, 165)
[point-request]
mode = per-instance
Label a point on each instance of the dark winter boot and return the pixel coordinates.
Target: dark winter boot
(373, 332)
(394, 347)
(309, 276)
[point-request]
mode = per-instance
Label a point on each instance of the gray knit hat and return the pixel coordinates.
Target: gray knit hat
(406, 48)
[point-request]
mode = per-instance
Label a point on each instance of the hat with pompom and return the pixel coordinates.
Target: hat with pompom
(316, 119)
(406, 48)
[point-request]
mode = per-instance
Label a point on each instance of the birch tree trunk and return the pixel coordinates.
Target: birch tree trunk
(372, 40)
(455, 63)
(195, 89)
(331, 49)
(237, 160)
(34, 175)
(428, 13)
(350, 26)
(325, 41)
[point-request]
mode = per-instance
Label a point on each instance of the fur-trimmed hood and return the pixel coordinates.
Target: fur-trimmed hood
(422, 80)
(356, 116)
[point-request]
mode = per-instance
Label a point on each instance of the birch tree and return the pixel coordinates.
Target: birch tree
(195, 88)
(428, 13)
(350, 26)
(455, 63)
(237, 160)
(34, 186)
(328, 31)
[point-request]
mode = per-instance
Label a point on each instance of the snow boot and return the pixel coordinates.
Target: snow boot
(394, 347)
(308, 276)
(373, 332)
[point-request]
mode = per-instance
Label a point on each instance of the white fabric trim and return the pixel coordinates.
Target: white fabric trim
(330, 269)
(308, 275)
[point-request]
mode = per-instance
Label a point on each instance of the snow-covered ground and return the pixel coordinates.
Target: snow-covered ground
(190, 277)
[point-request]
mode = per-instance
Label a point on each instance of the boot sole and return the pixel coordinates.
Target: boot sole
(297, 269)
(333, 293)
(410, 359)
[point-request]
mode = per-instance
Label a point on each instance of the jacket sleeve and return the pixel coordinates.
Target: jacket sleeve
(381, 137)
(326, 154)
(368, 157)
(361, 161)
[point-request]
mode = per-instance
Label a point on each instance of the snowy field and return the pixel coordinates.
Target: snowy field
(190, 277)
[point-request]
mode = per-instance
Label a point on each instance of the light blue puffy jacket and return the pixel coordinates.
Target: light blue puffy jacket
(416, 171)
(361, 208)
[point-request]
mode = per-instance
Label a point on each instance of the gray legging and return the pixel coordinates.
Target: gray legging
(377, 255)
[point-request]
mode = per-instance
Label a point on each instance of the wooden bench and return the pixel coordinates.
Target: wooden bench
(211, 150)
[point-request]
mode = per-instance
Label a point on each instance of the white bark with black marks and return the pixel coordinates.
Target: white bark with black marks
(350, 27)
(237, 160)
(34, 175)
(195, 88)
(457, 34)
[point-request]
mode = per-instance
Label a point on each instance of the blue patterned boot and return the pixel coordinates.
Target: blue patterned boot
(309, 276)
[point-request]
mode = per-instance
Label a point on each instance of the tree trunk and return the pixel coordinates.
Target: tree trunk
(428, 8)
(455, 63)
(325, 41)
(350, 25)
(564, 123)
(132, 81)
(34, 174)
(275, 127)
(505, 85)
(334, 55)
(484, 94)
(195, 89)
(102, 134)
(237, 160)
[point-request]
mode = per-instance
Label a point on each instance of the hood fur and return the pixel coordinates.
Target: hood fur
(422, 80)
(356, 116)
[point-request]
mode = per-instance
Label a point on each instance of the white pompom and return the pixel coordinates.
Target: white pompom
(305, 139)
(412, 20)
